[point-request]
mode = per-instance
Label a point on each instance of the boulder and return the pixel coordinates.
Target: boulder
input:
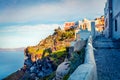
(62, 70)
(79, 45)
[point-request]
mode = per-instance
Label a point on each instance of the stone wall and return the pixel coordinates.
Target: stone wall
(83, 35)
(86, 71)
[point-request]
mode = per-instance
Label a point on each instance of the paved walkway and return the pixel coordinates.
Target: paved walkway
(107, 57)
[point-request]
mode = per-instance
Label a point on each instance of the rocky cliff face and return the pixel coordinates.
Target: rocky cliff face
(37, 69)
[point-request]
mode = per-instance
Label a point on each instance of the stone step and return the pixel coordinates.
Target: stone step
(107, 57)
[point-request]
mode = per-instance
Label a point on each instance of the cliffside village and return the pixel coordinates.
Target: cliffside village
(107, 25)
(86, 24)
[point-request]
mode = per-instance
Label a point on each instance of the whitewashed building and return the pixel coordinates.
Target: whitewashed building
(84, 24)
(85, 28)
(116, 18)
(112, 19)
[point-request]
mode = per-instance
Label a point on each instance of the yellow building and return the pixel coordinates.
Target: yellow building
(99, 23)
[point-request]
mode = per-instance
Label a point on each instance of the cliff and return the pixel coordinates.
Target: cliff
(42, 60)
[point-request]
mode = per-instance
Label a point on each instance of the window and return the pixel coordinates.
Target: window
(115, 24)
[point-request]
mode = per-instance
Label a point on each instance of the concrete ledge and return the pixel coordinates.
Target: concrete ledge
(83, 72)
(86, 71)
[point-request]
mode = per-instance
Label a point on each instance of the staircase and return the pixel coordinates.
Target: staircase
(107, 57)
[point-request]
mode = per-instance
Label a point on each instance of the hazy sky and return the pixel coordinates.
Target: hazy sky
(26, 22)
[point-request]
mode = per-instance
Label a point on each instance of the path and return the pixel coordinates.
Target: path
(107, 57)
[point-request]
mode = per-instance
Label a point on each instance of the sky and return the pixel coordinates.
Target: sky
(25, 22)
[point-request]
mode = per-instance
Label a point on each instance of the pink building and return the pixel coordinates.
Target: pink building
(68, 25)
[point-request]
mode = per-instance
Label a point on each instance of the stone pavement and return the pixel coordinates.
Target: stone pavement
(107, 57)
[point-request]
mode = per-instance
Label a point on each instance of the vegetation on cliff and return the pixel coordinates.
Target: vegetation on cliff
(56, 42)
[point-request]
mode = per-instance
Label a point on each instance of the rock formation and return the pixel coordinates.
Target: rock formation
(62, 69)
(37, 69)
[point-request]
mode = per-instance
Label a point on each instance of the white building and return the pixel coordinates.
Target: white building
(84, 24)
(85, 28)
(116, 18)
(112, 19)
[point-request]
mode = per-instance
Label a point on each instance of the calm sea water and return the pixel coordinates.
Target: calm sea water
(10, 61)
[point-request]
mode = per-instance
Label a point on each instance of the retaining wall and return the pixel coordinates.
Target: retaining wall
(86, 71)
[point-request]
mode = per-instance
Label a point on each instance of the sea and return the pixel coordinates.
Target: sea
(10, 61)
